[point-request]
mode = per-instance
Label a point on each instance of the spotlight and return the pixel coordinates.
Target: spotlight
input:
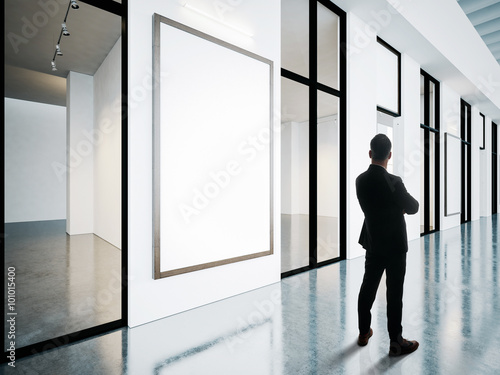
(53, 63)
(74, 5)
(58, 50)
(65, 30)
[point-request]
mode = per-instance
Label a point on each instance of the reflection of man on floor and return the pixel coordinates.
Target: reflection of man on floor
(384, 201)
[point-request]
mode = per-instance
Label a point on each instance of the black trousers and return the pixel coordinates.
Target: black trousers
(395, 269)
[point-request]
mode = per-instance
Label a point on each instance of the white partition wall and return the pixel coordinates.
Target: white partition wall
(477, 141)
(79, 154)
(410, 115)
(450, 124)
(151, 299)
(106, 141)
(35, 161)
(361, 122)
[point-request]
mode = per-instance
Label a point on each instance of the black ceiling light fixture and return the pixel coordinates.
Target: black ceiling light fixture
(64, 31)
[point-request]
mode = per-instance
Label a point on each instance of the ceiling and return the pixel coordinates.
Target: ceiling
(485, 16)
(31, 34)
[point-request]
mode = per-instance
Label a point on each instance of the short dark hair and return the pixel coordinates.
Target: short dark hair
(380, 146)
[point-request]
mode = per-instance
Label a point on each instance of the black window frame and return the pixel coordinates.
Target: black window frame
(427, 129)
(315, 86)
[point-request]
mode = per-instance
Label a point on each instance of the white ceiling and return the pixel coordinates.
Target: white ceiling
(485, 17)
(28, 73)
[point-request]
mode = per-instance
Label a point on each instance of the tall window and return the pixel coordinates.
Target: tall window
(313, 136)
(494, 168)
(388, 79)
(429, 140)
(466, 137)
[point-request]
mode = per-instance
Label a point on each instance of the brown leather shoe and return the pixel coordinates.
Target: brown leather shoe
(363, 339)
(402, 346)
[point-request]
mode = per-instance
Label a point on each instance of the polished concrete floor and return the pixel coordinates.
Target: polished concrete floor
(307, 323)
(295, 240)
(63, 283)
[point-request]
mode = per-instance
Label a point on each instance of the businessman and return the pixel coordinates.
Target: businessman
(384, 201)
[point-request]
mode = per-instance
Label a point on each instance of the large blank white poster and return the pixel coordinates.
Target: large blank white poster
(453, 175)
(215, 153)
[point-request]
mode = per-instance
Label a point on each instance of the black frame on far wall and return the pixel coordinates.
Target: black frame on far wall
(483, 147)
(466, 137)
(494, 168)
(398, 54)
(427, 128)
(314, 86)
(119, 9)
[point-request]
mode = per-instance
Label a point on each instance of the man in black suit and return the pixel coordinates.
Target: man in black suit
(384, 201)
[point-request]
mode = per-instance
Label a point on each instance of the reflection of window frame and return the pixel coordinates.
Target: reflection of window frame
(314, 86)
(398, 55)
(466, 137)
(427, 129)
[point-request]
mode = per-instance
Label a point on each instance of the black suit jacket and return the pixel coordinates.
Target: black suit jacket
(384, 200)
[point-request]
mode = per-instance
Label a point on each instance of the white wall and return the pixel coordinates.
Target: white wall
(107, 148)
(295, 168)
(410, 118)
(361, 120)
(287, 170)
(328, 171)
(153, 299)
(485, 169)
(449, 123)
(35, 156)
(477, 141)
(79, 149)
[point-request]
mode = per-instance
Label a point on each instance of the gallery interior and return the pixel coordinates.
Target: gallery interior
(179, 183)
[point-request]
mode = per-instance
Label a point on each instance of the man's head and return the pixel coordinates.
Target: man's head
(380, 148)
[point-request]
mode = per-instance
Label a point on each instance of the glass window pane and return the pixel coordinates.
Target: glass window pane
(432, 183)
(295, 36)
(328, 47)
(294, 175)
(328, 176)
(432, 101)
(387, 79)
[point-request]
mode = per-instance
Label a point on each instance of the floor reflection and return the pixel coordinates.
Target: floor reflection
(307, 323)
(63, 283)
